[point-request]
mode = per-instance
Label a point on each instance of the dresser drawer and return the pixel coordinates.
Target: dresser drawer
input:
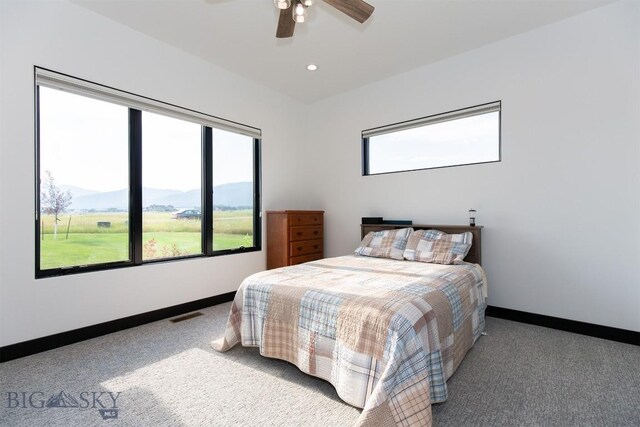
(305, 233)
(305, 247)
(304, 258)
(305, 219)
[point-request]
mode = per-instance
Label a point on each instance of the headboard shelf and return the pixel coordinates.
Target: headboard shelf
(474, 254)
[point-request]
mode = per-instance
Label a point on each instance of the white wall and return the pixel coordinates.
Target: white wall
(561, 211)
(67, 38)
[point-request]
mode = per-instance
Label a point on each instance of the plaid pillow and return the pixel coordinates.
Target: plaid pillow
(384, 244)
(437, 247)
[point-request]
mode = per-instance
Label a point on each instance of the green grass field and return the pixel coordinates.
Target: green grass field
(163, 237)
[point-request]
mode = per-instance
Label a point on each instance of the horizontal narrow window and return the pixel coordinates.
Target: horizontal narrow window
(461, 137)
(123, 180)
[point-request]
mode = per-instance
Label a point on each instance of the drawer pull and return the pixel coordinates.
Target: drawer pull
(299, 248)
(299, 233)
(315, 246)
(315, 232)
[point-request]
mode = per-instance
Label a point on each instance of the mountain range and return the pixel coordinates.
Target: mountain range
(235, 195)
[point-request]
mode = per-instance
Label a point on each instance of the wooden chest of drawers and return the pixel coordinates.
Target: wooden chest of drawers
(294, 237)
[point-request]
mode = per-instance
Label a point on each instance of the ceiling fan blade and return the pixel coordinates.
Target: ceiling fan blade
(356, 9)
(286, 24)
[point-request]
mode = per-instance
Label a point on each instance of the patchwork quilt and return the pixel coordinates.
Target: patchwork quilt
(387, 334)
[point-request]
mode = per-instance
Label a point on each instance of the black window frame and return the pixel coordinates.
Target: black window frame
(135, 193)
(400, 126)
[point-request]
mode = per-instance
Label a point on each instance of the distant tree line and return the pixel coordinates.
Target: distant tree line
(108, 210)
(160, 208)
(230, 208)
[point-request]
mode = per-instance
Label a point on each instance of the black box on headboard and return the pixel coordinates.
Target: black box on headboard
(371, 220)
(398, 221)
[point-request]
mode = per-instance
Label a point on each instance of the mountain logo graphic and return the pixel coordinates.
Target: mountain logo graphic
(62, 400)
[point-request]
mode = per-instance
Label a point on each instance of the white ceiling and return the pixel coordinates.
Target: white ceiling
(401, 35)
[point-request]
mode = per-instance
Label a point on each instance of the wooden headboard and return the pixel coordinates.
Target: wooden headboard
(474, 254)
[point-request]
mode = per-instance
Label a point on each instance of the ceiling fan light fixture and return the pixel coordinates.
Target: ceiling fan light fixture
(358, 10)
(299, 12)
(282, 4)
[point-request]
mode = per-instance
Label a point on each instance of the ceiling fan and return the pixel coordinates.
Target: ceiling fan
(292, 11)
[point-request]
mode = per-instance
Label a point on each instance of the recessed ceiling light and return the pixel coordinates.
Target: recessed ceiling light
(312, 67)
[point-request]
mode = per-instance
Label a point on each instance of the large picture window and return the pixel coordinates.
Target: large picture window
(462, 137)
(232, 161)
(124, 180)
(171, 187)
(84, 177)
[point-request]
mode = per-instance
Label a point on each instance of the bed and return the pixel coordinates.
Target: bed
(386, 332)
